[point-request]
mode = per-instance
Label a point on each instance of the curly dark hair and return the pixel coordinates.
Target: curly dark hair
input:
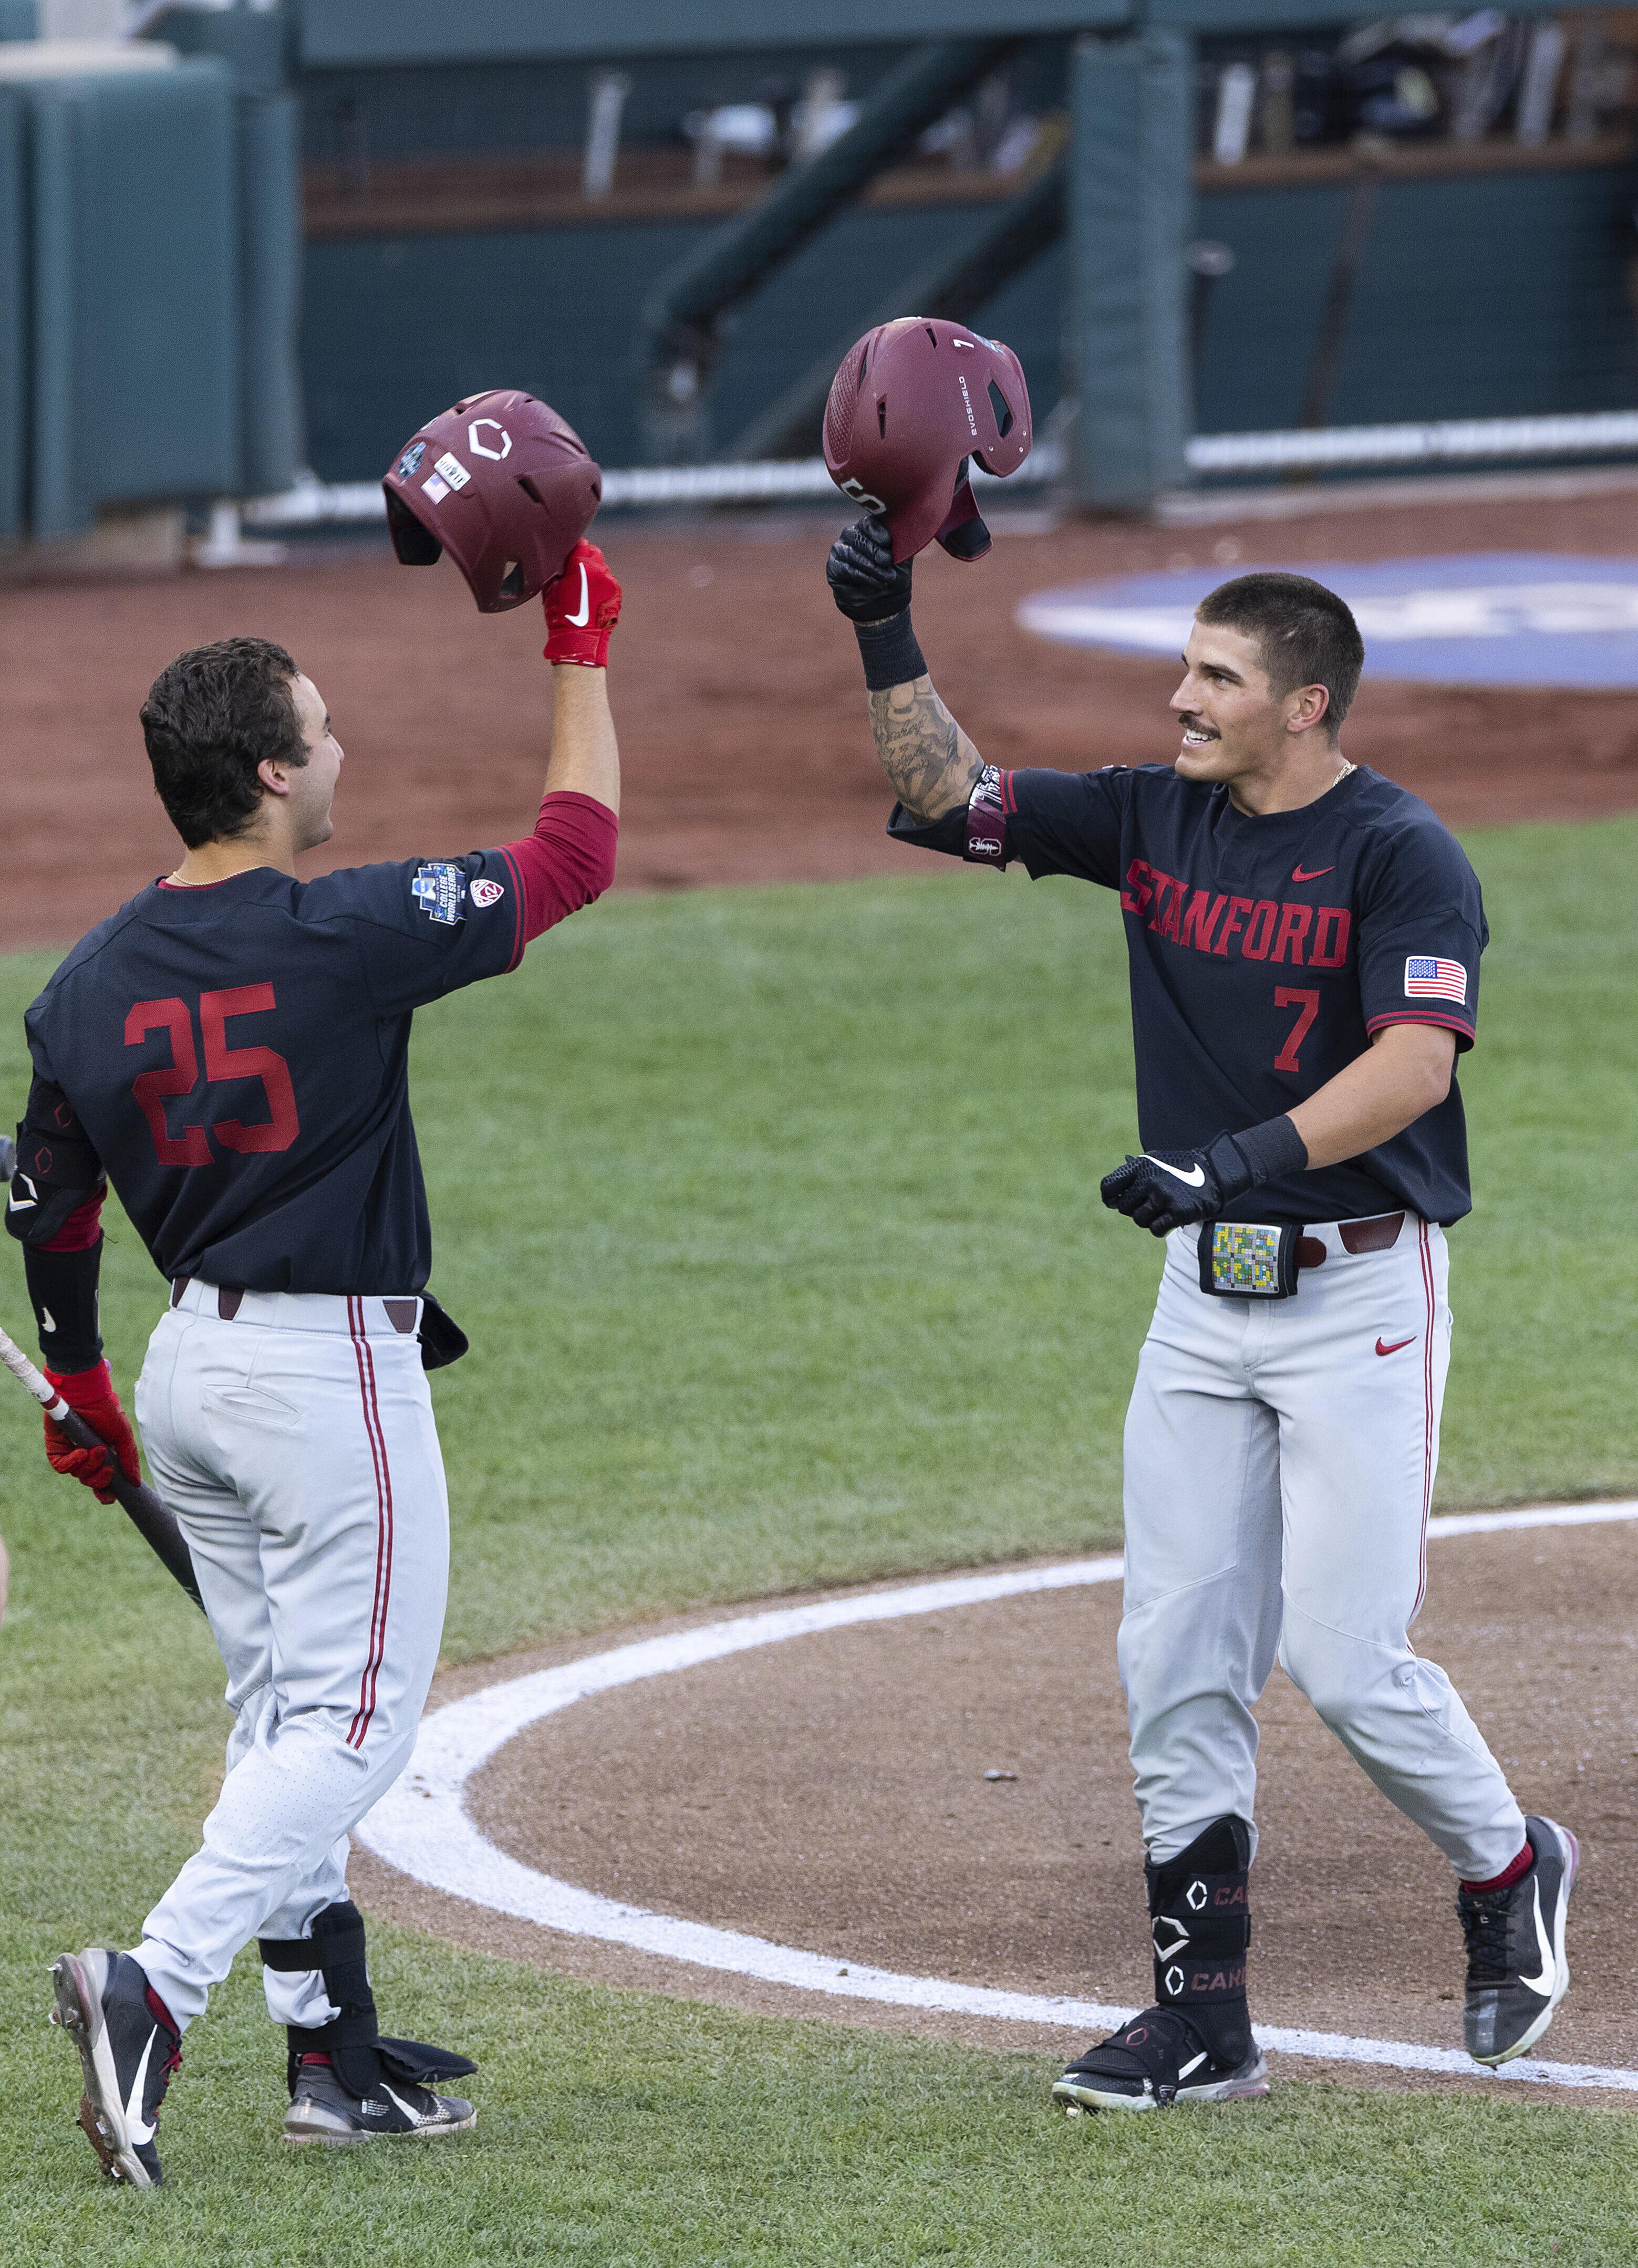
(1305, 633)
(209, 721)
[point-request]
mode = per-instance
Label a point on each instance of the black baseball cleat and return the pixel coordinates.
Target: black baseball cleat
(1153, 2062)
(1517, 1971)
(322, 2111)
(127, 2050)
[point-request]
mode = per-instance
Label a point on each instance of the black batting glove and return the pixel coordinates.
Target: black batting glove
(1165, 1190)
(864, 581)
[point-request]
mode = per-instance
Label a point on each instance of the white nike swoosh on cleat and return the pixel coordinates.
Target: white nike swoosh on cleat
(409, 2109)
(135, 2125)
(1193, 2065)
(1543, 1984)
(1195, 1177)
(578, 622)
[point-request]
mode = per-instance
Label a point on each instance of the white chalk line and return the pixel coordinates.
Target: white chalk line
(421, 1826)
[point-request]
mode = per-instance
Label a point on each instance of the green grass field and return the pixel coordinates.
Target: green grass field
(774, 1218)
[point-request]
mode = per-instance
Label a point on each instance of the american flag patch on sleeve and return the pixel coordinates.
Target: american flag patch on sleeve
(1428, 979)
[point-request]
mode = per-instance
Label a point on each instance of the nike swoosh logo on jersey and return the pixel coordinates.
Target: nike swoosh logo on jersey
(1195, 1177)
(1549, 1959)
(578, 622)
(1298, 875)
(135, 2125)
(1397, 1344)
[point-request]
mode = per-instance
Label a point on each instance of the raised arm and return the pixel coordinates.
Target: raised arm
(585, 757)
(570, 858)
(582, 607)
(930, 762)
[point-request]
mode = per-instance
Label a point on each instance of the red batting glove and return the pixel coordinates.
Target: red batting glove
(91, 1393)
(582, 606)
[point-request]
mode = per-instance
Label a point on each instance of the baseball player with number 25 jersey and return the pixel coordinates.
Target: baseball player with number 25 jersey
(1303, 941)
(230, 1051)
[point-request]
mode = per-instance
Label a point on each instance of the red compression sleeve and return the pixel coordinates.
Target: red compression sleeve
(81, 1230)
(568, 861)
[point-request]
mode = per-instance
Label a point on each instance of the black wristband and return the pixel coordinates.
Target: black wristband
(1272, 1150)
(889, 652)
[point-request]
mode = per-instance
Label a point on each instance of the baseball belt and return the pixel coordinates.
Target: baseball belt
(1260, 1259)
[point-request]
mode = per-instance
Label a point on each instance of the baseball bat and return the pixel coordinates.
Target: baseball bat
(154, 1520)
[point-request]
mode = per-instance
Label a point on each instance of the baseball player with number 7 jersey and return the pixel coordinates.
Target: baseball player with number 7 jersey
(1303, 941)
(230, 1051)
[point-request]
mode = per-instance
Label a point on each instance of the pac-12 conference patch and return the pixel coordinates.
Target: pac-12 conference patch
(438, 888)
(485, 893)
(1428, 979)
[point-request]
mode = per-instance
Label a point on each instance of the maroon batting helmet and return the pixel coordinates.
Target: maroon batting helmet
(911, 403)
(503, 485)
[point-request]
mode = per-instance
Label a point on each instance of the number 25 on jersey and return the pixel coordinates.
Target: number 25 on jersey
(191, 1146)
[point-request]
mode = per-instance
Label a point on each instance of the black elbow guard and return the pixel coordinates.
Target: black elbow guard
(55, 1170)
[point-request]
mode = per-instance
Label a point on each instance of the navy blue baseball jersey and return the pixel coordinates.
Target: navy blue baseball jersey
(1265, 952)
(236, 1056)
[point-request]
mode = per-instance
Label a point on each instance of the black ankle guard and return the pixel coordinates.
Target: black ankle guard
(336, 1949)
(358, 2054)
(1201, 1925)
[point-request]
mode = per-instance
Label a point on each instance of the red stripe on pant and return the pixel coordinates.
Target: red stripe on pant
(1425, 1252)
(383, 1527)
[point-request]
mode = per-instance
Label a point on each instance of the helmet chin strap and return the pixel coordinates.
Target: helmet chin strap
(964, 535)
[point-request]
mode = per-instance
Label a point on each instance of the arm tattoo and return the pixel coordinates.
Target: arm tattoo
(930, 762)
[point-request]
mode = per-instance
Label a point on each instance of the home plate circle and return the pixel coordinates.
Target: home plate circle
(650, 1728)
(1473, 618)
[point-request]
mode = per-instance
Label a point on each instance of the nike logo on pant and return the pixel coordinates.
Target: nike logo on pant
(578, 622)
(1397, 1344)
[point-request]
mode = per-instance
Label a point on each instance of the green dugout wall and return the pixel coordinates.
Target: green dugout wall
(150, 276)
(134, 350)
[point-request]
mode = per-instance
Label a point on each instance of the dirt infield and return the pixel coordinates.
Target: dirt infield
(829, 1793)
(737, 693)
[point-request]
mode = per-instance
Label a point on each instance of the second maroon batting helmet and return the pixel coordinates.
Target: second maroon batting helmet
(911, 403)
(504, 485)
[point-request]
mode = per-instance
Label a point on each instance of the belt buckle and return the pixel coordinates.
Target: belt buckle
(1248, 1259)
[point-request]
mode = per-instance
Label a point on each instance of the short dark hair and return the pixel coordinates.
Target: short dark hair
(209, 721)
(1304, 632)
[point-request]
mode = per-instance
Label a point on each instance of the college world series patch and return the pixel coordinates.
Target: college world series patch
(439, 889)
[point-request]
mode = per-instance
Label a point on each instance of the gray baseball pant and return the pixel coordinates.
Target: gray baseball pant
(296, 1444)
(1280, 1461)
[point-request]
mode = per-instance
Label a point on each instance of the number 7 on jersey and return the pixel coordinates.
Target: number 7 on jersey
(1288, 995)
